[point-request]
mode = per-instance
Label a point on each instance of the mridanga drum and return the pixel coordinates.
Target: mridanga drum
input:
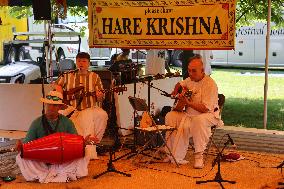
(56, 148)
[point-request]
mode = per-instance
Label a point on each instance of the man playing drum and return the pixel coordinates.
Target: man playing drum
(49, 123)
(201, 112)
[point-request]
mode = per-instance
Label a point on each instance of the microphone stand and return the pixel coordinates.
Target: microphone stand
(149, 84)
(43, 91)
(134, 151)
(165, 93)
(218, 177)
(43, 94)
(133, 148)
(280, 166)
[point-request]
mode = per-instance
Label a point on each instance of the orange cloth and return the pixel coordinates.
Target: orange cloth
(146, 120)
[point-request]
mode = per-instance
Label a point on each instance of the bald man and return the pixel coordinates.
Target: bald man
(201, 112)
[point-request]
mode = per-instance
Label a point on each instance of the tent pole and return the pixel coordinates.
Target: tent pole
(266, 65)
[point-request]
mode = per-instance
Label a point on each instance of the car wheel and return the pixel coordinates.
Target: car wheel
(12, 55)
(21, 54)
(177, 58)
(20, 80)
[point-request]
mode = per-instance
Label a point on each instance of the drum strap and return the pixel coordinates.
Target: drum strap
(47, 127)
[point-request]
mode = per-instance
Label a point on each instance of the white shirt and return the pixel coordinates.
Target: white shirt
(155, 62)
(204, 92)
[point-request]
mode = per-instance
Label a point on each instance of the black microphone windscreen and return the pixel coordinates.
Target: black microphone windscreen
(166, 94)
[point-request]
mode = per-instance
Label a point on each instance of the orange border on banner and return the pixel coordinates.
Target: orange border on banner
(4, 2)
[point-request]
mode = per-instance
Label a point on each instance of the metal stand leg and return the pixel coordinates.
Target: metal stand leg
(164, 141)
(111, 168)
(144, 148)
(134, 151)
(164, 144)
(218, 178)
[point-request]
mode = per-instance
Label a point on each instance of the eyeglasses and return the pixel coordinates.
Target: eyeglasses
(54, 98)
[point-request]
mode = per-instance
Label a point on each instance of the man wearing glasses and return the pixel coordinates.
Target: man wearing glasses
(88, 117)
(49, 123)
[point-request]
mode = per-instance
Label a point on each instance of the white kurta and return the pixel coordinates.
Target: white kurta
(207, 57)
(43, 173)
(193, 123)
(155, 62)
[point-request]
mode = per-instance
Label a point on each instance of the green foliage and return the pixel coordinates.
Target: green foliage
(78, 11)
(20, 12)
(251, 10)
(26, 11)
(83, 30)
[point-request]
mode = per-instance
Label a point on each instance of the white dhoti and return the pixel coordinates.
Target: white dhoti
(196, 126)
(91, 121)
(39, 171)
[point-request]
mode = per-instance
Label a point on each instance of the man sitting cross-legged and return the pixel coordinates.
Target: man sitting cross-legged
(49, 123)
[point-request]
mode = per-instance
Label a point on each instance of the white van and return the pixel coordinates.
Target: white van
(99, 56)
(62, 50)
(250, 48)
(19, 72)
(32, 68)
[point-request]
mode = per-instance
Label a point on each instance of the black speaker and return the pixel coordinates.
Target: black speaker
(105, 76)
(42, 9)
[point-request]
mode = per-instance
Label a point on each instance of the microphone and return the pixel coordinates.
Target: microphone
(148, 78)
(231, 141)
(168, 95)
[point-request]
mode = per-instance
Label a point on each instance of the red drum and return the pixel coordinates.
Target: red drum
(56, 148)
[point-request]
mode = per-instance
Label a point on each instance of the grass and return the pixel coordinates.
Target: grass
(245, 98)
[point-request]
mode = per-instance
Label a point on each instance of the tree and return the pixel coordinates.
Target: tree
(246, 11)
(250, 10)
(26, 11)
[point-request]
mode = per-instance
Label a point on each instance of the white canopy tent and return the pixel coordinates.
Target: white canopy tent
(266, 64)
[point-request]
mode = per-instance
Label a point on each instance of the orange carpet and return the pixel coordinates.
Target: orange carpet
(257, 170)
